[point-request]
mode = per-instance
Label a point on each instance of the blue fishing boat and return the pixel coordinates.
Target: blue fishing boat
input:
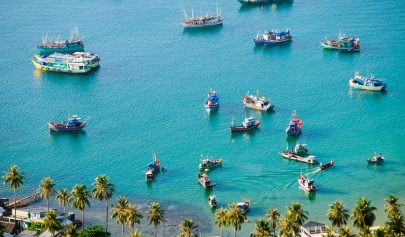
(344, 43)
(72, 124)
(75, 44)
(365, 83)
(294, 127)
(212, 102)
(272, 37)
(377, 159)
(247, 125)
(153, 167)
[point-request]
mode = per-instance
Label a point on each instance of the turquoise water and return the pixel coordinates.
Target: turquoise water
(148, 94)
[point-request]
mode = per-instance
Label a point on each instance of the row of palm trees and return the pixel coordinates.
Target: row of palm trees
(128, 214)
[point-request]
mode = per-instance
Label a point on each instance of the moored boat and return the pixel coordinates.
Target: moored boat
(153, 167)
(255, 102)
(212, 102)
(377, 159)
(208, 163)
(244, 206)
(294, 127)
(306, 184)
(56, 64)
(205, 180)
(327, 165)
(73, 45)
(270, 37)
(365, 83)
(344, 43)
(247, 124)
(207, 20)
(72, 124)
(212, 201)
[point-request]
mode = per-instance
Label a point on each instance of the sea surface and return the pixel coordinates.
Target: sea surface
(147, 97)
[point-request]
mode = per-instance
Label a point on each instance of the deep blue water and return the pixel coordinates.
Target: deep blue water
(148, 94)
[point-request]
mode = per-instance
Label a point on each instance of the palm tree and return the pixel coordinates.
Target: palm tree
(272, 217)
(136, 233)
(337, 214)
(262, 228)
(133, 216)
(80, 196)
(289, 226)
(70, 230)
(363, 216)
(392, 206)
(50, 223)
(235, 217)
(188, 227)
(221, 219)
(16, 178)
(46, 189)
(103, 190)
(345, 232)
(63, 199)
(156, 215)
(396, 224)
(120, 211)
(297, 214)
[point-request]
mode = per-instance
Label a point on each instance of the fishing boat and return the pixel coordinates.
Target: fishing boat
(271, 37)
(207, 20)
(212, 102)
(306, 184)
(72, 124)
(294, 128)
(244, 206)
(255, 102)
(327, 165)
(212, 201)
(377, 159)
(153, 167)
(74, 44)
(247, 125)
(56, 64)
(205, 180)
(365, 83)
(208, 163)
(344, 43)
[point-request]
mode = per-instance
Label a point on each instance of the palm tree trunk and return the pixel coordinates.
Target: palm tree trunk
(82, 219)
(106, 218)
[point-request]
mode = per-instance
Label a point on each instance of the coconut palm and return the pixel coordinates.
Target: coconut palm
(289, 226)
(236, 217)
(46, 189)
(63, 199)
(392, 206)
(80, 196)
(188, 227)
(156, 215)
(363, 216)
(16, 178)
(221, 219)
(103, 190)
(345, 232)
(396, 224)
(70, 230)
(133, 216)
(272, 217)
(136, 233)
(120, 211)
(297, 214)
(50, 223)
(262, 229)
(337, 214)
